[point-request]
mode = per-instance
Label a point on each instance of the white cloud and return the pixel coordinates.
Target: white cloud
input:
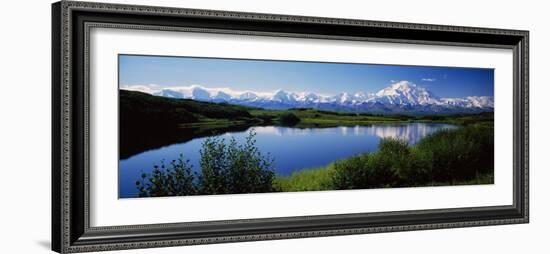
(429, 79)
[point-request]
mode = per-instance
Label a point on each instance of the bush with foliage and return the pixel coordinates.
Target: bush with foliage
(225, 167)
(458, 155)
(289, 119)
(448, 156)
(350, 173)
(234, 168)
(374, 170)
(176, 179)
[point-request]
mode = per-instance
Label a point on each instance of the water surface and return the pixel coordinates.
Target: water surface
(293, 149)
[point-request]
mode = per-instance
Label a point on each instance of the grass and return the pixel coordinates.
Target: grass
(319, 179)
(214, 123)
(322, 118)
(307, 118)
(481, 179)
(305, 180)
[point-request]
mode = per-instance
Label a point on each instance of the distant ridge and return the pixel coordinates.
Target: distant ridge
(399, 97)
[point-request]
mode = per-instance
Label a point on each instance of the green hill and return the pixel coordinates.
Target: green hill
(150, 122)
(144, 109)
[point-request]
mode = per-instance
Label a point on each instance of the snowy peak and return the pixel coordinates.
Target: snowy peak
(344, 98)
(199, 93)
(284, 97)
(398, 88)
(222, 96)
(360, 96)
(248, 96)
(470, 102)
(169, 93)
(481, 101)
(405, 92)
(311, 97)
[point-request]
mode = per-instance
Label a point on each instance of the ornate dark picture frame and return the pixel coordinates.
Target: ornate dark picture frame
(71, 230)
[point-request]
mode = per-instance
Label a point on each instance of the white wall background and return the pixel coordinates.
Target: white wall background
(25, 125)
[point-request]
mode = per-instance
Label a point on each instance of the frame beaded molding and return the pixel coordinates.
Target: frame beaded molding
(67, 109)
(66, 125)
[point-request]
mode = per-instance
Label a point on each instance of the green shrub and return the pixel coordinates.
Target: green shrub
(392, 163)
(266, 119)
(176, 179)
(351, 173)
(224, 168)
(451, 156)
(234, 168)
(381, 169)
(459, 154)
(289, 119)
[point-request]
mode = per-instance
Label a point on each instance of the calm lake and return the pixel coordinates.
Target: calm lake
(293, 149)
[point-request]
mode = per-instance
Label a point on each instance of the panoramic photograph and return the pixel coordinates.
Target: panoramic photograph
(209, 126)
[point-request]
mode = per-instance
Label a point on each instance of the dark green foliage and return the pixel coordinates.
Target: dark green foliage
(347, 114)
(327, 112)
(433, 117)
(461, 119)
(266, 119)
(162, 117)
(458, 155)
(225, 168)
(448, 156)
(289, 119)
(139, 109)
(234, 168)
(392, 162)
(144, 109)
(176, 179)
(350, 173)
(381, 169)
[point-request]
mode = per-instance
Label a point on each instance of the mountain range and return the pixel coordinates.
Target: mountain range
(399, 97)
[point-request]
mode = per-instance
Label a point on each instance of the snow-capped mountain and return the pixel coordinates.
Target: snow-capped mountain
(311, 98)
(399, 97)
(284, 97)
(405, 92)
(221, 96)
(248, 96)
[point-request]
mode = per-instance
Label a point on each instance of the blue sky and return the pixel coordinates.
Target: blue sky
(321, 78)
